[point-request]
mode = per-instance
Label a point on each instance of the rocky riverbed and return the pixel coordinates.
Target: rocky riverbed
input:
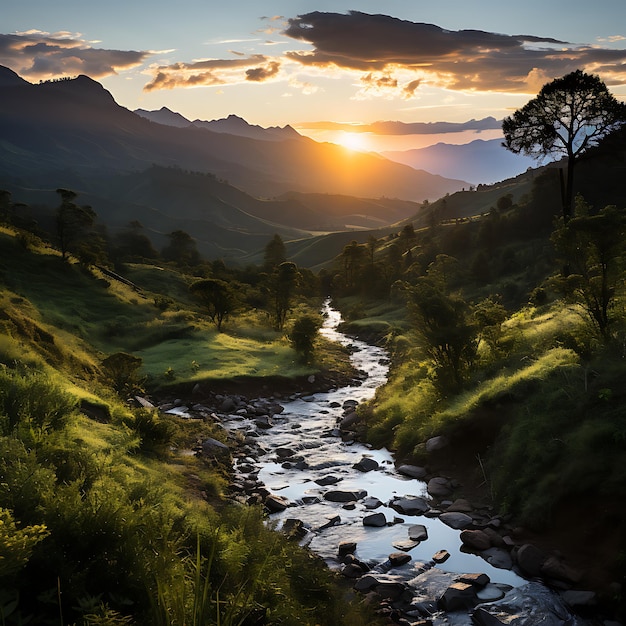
(405, 538)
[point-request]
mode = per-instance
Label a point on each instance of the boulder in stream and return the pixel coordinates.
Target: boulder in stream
(338, 495)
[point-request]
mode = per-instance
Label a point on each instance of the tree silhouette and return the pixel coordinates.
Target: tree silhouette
(283, 283)
(73, 222)
(275, 253)
(217, 296)
(568, 116)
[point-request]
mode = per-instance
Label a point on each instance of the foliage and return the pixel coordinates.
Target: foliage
(275, 253)
(121, 370)
(16, 544)
(592, 248)
(217, 297)
(73, 224)
(303, 334)
(568, 116)
(283, 283)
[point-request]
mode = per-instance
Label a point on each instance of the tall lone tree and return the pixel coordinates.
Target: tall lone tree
(568, 116)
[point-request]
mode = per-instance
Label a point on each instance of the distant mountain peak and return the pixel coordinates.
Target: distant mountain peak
(164, 116)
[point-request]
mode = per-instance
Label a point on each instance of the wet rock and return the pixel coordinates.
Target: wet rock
(366, 465)
(441, 556)
(345, 496)
(390, 590)
(264, 422)
(352, 570)
(397, 559)
(527, 605)
(413, 471)
(294, 528)
(406, 545)
(578, 599)
(334, 520)
(327, 480)
(418, 532)
(490, 593)
(439, 487)
(284, 453)
(410, 506)
(460, 505)
(497, 557)
(275, 504)
(459, 521)
(530, 559)
(476, 540)
(478, 580)
(229, 405)
(349, 420)
(372, 503)
(458, 596)
(346, 547)
(376, 519)
(366, 583)
(214, 449)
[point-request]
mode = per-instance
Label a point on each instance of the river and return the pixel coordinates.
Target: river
(308, 426)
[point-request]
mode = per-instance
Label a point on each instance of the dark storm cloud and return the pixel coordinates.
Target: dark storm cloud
(464, 59)
(40, 55)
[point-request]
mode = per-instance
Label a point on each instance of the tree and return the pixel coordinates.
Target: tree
(568, 116)
(122, 371)
(73, 222)
(283, 283)
(182, 249)
(303, 334)
(275, 253)
(593, 246)
(218, 298)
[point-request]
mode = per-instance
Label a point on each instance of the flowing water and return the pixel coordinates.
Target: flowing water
(308, 426)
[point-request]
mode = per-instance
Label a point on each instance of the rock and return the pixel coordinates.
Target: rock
(458, 596)
(214, 448)
(366, 465)
(554, 567)
(366, 583)
(413, 471)
(327, 480)
(372, 503)
(410, 506)
(436, 443)
(345, 496)
(275, 504)
(333, 520)
(264, 422)
(530, 559)
(346, 547)
(579, 598)
(349, 420)
(143, 402)
(441, 556)
(490, 593)
(284, 453)
(529, 604)
(460, 506)
(475, 539)
(376, 519)
(294, 528)
(228, 405)
(498, 558)
(406, 545)
(459, 521)
(398, 559)
(352, 570)
(478, 580)
(389, 590)
(418, 532)
(439, 487)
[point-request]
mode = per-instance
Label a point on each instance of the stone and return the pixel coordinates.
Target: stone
(372, 503)
(389, 590)
(366, 583)
(490, 593)
(346, 547)
(418, 532)
(498, 558)
(458, 521)
(333, 520)
(458, 596)
(475, 539)
(324, 481)
(413, 471)
(436, 443)
(214, 448)
(345, 496)
(406, 545)
(294, 528)
(349, 420)
(366, 465)
(460, 506)
(376, 519)
(441, 556)
(579, 598)
(228, 405)
(398, 559)
(264, 422)
(284, 453)
(478, 580)
(410, 506)
(530, 559)
(352, 570)
(439, 487)
(275, 504)
(553, 567)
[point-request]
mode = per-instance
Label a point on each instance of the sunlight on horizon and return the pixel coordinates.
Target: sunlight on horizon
(354, 141)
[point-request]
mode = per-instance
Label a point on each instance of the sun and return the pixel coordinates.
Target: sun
(353, 141)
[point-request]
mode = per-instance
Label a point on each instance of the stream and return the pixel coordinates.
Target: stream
(308, 425)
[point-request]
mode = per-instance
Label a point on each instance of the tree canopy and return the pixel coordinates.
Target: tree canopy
(568, 116)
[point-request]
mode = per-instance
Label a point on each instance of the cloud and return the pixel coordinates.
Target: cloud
(415, 128)
(468, 60)
(41, 55)
(253, 68)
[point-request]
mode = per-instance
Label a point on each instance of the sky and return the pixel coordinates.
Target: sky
(330, 69)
